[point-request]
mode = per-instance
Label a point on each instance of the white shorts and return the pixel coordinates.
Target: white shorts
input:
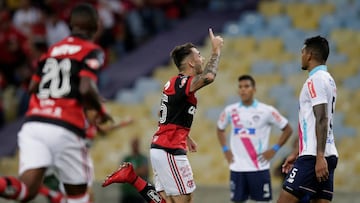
(48, 145)
(172, 173)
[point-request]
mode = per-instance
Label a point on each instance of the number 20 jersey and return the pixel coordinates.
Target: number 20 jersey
(58, 99)
(177, 109)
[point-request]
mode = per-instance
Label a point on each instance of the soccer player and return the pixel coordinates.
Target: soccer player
(173, 175)
(310, 170)
(52, 188)
(248, 154)
(53, 134)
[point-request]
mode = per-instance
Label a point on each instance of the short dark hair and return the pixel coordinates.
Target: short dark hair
(180, 52)
(247, 77)
(319, 47)
(85, 17)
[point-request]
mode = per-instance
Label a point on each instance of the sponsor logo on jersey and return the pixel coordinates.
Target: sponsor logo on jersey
(65, 49)
(276, 116)
(244, 132)
(311, 88)
(192, 110)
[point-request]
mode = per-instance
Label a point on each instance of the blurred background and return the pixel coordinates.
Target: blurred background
(261, 37)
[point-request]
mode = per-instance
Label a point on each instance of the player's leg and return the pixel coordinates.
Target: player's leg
(74, 167)
(259, 183)
(326, 188)
(173, 175)
(34, 157)
(23, 188)
(286, 197)
(52, 195)
(181, 198)
(51, 187)
(300, 182)
(238, 187)
(126, 174)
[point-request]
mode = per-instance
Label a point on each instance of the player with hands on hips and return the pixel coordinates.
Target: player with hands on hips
(248, 154)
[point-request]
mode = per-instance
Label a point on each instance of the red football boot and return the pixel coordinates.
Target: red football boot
(124, 174)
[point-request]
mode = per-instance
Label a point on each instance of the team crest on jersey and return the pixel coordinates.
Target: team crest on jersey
(311, 88)
(93, 63)
(190, 183)
(183, 82)
(256, 118)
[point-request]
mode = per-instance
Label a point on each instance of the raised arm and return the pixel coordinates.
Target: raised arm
(210, 70)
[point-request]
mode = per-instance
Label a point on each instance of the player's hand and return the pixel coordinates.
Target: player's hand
(126, 121)
(216, 42)
(321, 169)
(192, 146)
(229, 156)
(267, 155)
(103, 118)
(289, 163)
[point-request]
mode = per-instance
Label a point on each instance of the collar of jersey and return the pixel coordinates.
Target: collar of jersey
(317, 68)
(254, 104)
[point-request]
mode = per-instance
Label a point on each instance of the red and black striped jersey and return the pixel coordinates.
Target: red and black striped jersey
(177, 109)
(57, 99)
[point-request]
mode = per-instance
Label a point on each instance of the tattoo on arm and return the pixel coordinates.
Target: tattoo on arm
(212, 65)
(210, 69)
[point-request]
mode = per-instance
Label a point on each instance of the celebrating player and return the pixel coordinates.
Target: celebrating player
(173, 175)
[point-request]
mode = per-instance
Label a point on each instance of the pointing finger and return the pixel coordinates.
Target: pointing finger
(211, 34)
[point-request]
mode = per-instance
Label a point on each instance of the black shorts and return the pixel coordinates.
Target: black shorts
(301, 180)
(255, 185)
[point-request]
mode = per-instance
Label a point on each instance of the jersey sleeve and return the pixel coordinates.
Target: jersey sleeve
(93, 62)
(223, 120)
(277, 119)
(317, 91)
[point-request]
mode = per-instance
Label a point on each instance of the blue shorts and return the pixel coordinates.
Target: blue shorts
(301, 180)
(255, 185)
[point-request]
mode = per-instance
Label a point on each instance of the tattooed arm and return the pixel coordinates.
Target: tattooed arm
(209, 73)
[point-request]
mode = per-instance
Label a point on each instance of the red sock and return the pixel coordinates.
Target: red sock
(53, 196)
(12, 188)
(44, 190)
(139, 183)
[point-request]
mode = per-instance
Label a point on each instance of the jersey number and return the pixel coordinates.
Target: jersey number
(332, 111)
(163, 108)
(55, 82)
